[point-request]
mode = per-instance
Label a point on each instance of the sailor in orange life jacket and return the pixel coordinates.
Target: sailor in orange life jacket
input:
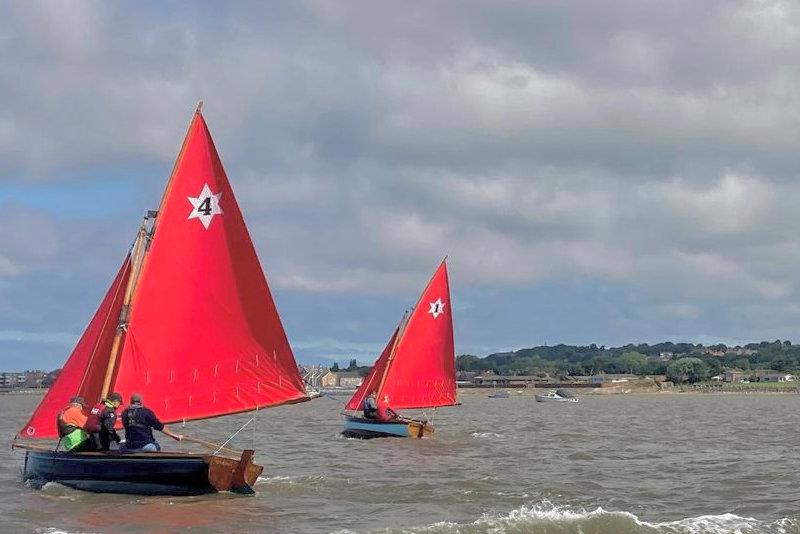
(71, 423)
(102, 419)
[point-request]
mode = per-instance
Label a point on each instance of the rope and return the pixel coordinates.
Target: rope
(234, 435)
(255, 423)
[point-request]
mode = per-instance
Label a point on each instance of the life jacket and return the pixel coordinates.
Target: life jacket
(74, 438)
(131, 417)
(94, 423)
(71, 436)
(138, 430)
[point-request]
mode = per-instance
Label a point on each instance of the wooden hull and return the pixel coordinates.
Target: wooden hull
(359, 427)
(141, 473)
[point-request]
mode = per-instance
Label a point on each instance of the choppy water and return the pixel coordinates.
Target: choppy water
(609, 464)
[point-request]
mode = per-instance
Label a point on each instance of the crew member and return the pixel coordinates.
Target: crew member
(384, 413)
(102, 419)
(139, 422)
(71, 423)
(370, 408)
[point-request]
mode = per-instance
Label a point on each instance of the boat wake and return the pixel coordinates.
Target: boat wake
(555, 519)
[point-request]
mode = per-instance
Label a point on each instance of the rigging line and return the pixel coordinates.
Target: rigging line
(255, 424)
(233, 436)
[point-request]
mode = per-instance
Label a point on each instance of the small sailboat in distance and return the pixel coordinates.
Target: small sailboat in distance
(190, 324)
(415, 370)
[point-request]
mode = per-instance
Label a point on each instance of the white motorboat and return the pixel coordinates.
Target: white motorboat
(556, 396)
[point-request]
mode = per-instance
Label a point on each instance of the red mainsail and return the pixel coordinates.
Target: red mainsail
(420, 373)
(84, 371)
(204, 336)
(373, 379)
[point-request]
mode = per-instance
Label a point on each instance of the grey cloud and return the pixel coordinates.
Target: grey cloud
(630, 142)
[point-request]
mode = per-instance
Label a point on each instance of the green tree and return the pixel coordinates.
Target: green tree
(353, 365)
(742, 363)
(632, 362)
(335, 367)
(687, 370)
(783, 362)
(469, 362)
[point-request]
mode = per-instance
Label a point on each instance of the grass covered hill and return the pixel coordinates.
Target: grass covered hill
(572, 360)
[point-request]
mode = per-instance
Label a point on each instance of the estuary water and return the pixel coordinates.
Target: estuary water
(659, 463)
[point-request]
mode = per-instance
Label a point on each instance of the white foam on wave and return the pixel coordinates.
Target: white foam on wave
(288, 479)
(486, 435)
(552, 518)
(53, 530)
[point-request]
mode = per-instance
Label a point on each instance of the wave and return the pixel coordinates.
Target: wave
(287, 479)
(549, 518)
(53, 530)
(486, 435)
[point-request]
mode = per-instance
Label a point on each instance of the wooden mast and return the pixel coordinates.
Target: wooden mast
(136, 262)
(141, 246)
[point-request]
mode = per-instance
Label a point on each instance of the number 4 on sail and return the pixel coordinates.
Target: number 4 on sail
(188, 323)
(415, 370)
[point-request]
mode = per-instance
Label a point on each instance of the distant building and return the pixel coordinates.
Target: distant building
(349, 379)
(735, 375)
(12, 380)
(328, 380)
(465, 376)
(33, 379)
(504, 380)
(341, 379)
(312, 375)
(611, 378)
(775, 377)
(666, 355)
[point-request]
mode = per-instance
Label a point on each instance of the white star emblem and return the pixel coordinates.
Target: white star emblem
(206, 205)
(437, 308)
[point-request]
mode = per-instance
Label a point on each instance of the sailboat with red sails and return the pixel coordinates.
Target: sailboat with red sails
(416, 370)
(190, 324)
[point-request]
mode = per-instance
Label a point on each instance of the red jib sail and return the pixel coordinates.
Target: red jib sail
(84, 371)
(420, 373)
(373, 379)
(204, 337)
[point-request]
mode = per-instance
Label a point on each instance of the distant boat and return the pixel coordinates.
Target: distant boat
(499, 395)
(416, 369)
(312, 392)
(556, 396)
(188, 322)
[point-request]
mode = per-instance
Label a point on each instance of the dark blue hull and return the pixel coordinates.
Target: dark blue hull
(139, 474)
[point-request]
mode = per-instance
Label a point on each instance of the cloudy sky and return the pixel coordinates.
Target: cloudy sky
(609, 172)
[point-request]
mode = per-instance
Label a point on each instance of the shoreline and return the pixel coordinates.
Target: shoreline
(600, 392)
